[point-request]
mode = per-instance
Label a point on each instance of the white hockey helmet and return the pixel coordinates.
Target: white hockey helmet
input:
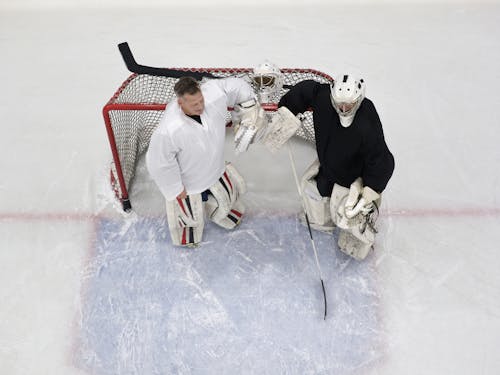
(347, 93)
(267, 80)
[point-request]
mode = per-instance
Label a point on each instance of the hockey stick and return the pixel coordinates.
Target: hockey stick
(292, 162)
(132, 66)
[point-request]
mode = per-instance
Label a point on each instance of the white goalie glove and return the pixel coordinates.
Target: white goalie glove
(282, 127)
(248, 120)
(360, 199)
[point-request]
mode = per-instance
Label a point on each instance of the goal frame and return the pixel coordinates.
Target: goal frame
(118, 182)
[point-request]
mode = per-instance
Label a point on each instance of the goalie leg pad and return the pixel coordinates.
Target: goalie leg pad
(355, 244)
(317, 207)
(337, 206)
(185, 220)
(223, 205)
(233, 217)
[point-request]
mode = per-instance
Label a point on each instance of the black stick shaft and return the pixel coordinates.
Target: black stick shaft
(324, 297)
(292, 162)
(134, 67)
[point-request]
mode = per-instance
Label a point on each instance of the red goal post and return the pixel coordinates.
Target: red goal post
(134, 111)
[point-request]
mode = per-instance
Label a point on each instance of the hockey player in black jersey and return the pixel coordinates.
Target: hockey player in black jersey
(343, 186)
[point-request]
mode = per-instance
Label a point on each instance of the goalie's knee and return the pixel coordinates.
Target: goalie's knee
(185, 220)
(224, 206)
(233, 217)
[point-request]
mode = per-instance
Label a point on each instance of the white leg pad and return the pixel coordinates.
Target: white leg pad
(185, 220)
(224, 206)
(317, 207)
(337, 205)
(233, 217)
(355, 244)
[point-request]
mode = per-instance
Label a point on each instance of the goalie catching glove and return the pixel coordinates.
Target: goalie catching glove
(360, 199)
(248, 119)
(282, 127)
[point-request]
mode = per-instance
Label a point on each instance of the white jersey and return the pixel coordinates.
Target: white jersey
(184, 154)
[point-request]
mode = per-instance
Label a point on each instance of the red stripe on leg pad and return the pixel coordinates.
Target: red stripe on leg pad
(179, 201)
(183, 241)
(228, 180)
(239, 214)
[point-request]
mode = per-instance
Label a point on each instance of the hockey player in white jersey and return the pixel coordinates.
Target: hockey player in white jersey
(186, 155)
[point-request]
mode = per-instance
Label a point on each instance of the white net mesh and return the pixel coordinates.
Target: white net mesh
(134, 112)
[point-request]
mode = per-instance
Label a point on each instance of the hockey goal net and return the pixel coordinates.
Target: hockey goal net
(134, 111)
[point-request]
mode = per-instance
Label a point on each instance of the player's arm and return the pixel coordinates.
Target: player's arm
(378, 160)
(237, 90)
(248, 116)
(377, 170)
(300, 97)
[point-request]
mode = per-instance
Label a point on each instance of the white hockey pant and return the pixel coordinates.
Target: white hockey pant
(356, 235)
(185, 220)
(224, 206)
(317, 207)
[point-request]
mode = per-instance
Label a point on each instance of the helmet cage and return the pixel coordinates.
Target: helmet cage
(347, 108)
(267, 80)
(261, 81)
(346, 96)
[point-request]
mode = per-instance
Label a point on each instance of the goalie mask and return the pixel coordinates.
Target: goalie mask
(267, 80)
(347, 93)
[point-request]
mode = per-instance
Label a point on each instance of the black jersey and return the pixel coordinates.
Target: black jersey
(344, 153)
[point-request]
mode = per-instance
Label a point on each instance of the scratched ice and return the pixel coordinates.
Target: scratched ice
(247, 301)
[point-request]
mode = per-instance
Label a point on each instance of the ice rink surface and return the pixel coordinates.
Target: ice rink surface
(88, 290)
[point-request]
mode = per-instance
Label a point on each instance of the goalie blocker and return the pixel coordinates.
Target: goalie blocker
(186, 217)
(248, 120)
